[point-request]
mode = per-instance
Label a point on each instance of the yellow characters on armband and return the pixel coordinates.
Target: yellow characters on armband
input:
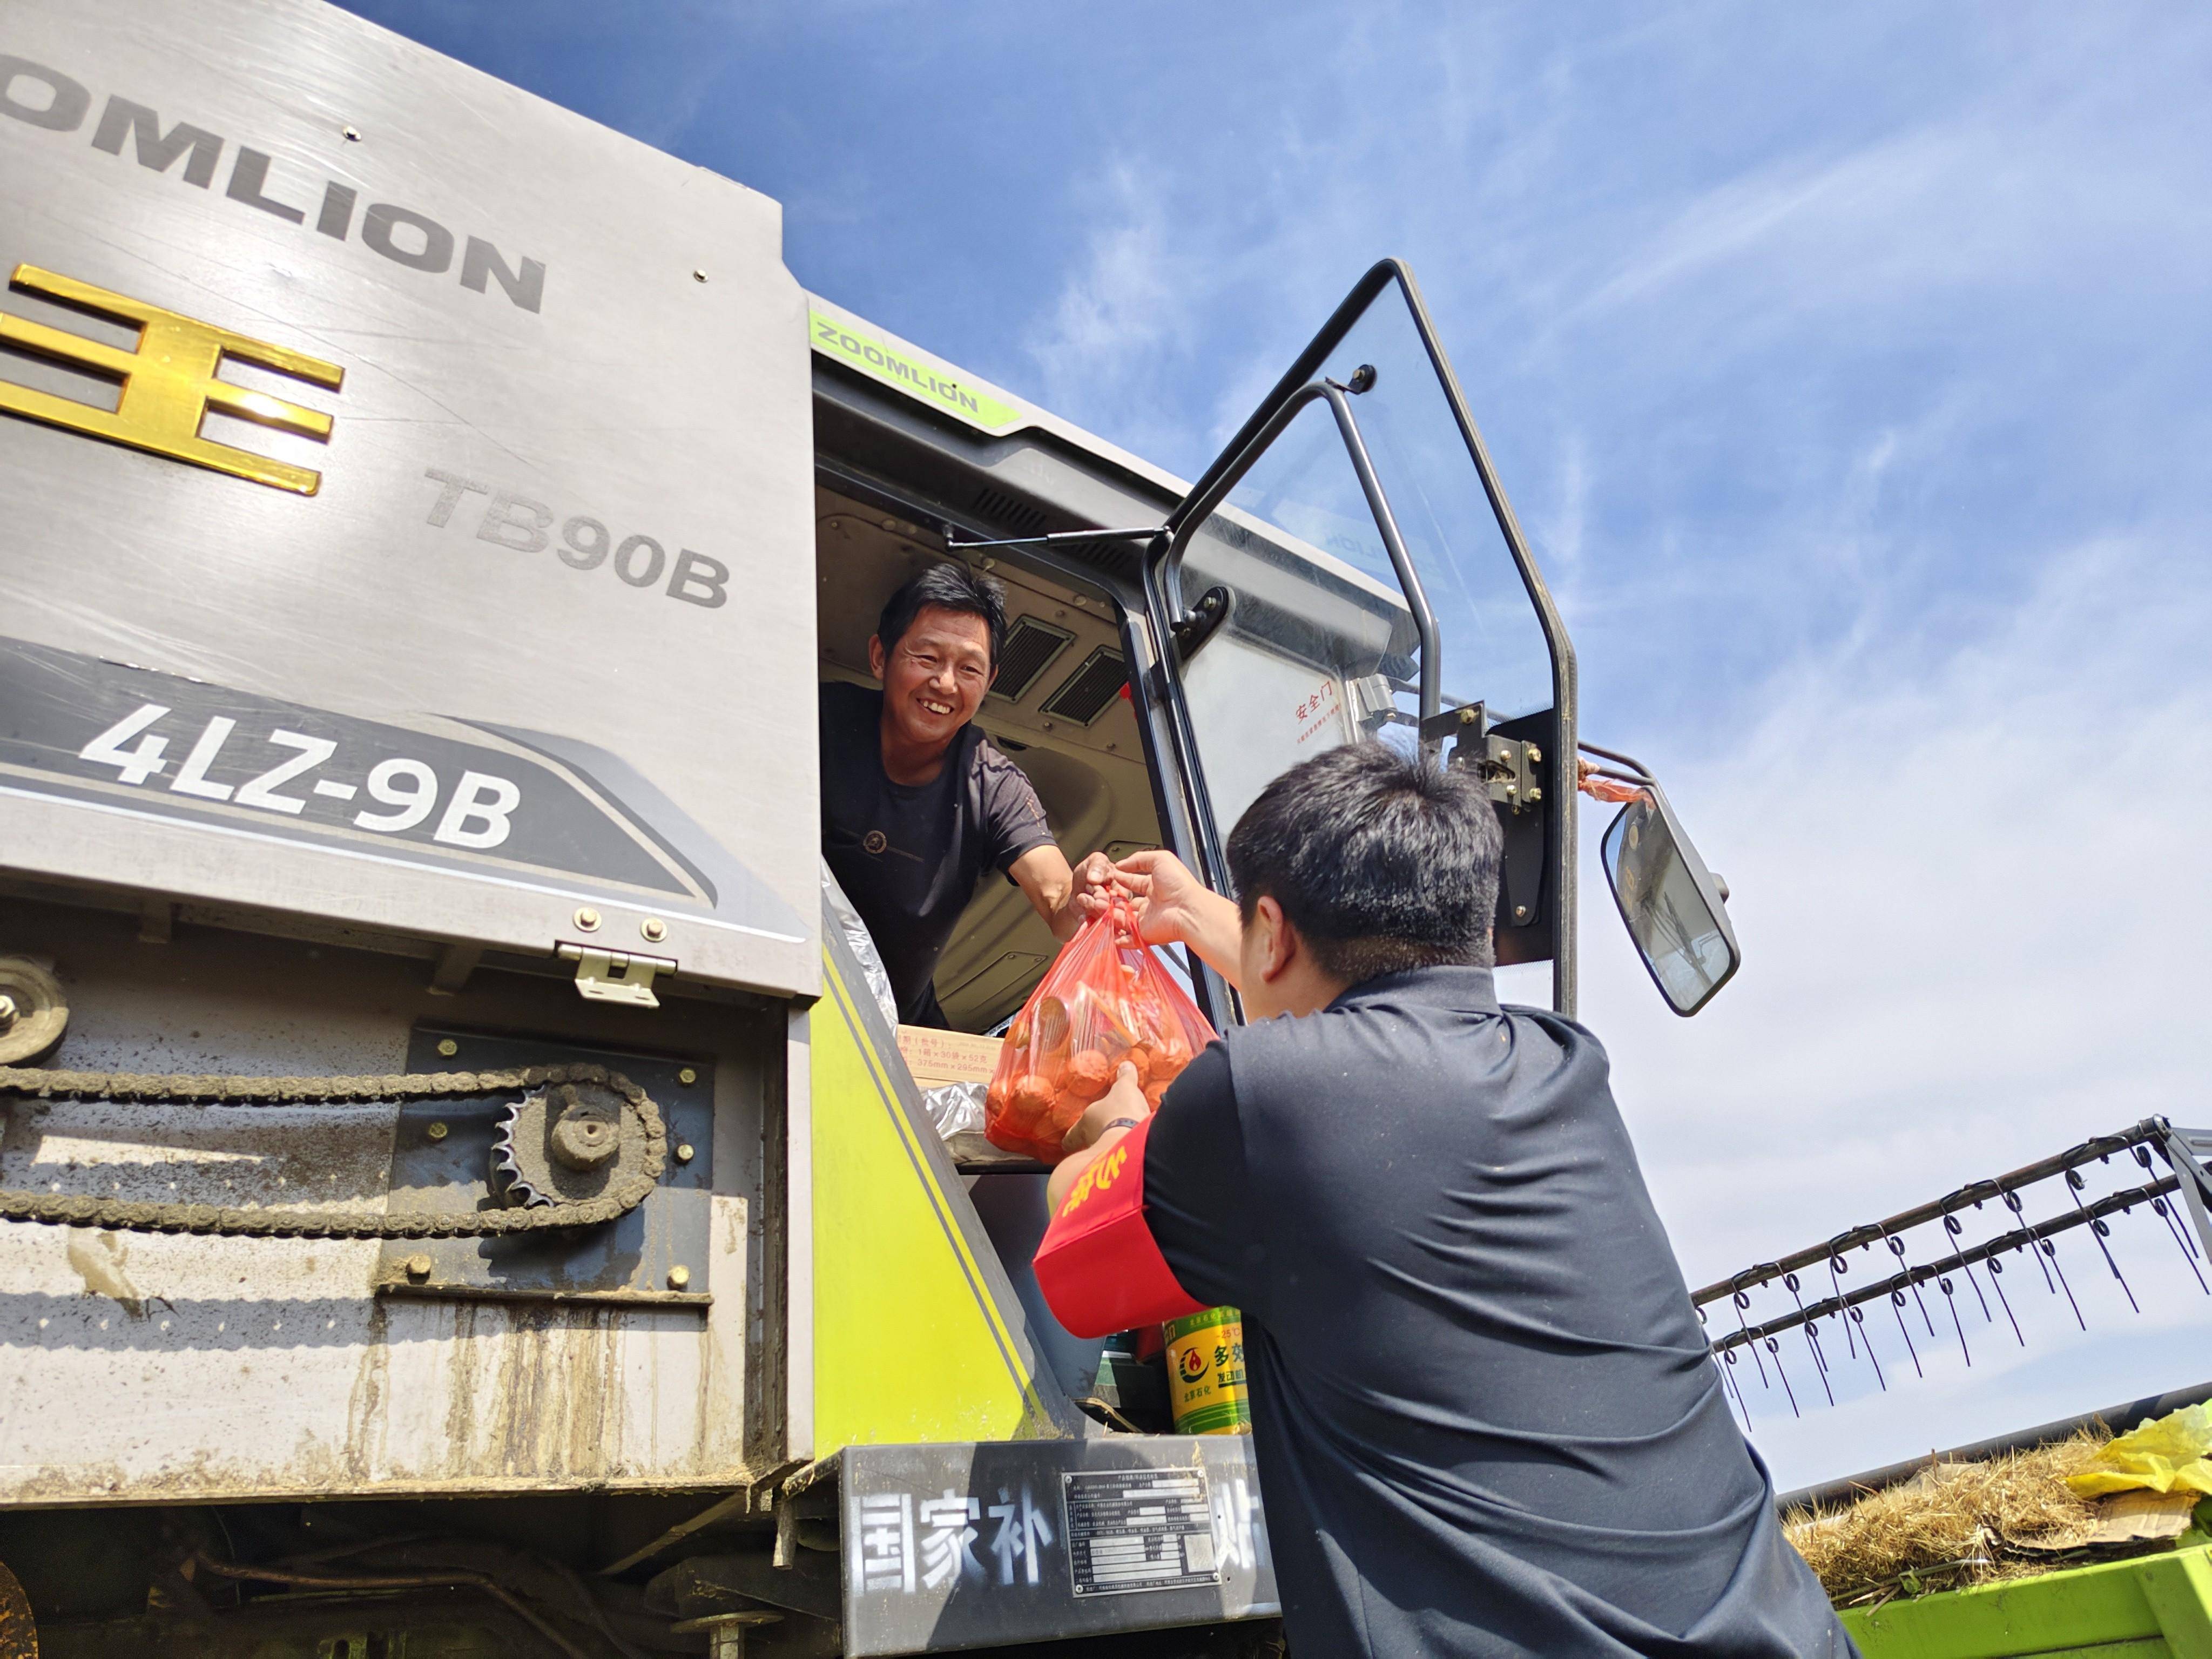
(1095, 1179)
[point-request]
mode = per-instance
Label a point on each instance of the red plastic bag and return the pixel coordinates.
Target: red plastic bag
(1107, 1000)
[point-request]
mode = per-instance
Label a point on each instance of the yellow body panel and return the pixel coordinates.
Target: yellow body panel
(909, 1345)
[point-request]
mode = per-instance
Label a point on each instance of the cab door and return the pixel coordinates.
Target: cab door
(1350, 567)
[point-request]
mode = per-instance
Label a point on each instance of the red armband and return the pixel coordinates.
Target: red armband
(1098, 1267)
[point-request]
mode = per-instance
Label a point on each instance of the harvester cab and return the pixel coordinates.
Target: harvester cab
(457, 1184)
(1353, 556)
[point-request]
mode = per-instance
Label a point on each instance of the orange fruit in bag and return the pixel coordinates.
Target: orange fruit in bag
(1106, 999)
(1088, 1075)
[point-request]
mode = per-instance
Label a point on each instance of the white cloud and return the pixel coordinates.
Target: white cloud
(1969, 880)
(1119, 309)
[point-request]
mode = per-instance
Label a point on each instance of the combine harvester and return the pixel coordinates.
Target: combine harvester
(460, 1194)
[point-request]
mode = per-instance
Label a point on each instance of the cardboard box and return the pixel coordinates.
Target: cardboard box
(939, 1057)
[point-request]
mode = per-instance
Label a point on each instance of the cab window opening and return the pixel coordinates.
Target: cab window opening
(1058, 708)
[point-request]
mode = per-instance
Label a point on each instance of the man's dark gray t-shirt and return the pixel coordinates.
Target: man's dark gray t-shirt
(909, 856)
(1485, 1412)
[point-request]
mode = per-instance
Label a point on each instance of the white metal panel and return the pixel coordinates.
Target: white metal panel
(145, 1366)
(650, 381)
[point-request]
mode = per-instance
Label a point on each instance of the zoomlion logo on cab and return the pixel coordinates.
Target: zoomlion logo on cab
(168, 382)
(857, 349)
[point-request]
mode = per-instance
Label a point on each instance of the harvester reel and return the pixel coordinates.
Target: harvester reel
(564, 1144)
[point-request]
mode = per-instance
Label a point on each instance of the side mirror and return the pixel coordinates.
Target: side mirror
(1675, 907)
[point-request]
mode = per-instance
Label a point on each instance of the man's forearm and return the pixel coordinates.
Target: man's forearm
(1065, 918)
(1069, 1170)
(1048, 883)
(1215, 929)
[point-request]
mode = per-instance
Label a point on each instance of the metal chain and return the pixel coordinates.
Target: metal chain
(55, 1210)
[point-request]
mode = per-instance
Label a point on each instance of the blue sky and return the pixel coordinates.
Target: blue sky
(1846, 366)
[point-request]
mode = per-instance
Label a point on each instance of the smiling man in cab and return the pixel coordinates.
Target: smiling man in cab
(917, 804)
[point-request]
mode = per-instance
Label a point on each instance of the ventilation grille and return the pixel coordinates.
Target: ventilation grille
(1029, 649)
(1004, 510)
(1090, 690)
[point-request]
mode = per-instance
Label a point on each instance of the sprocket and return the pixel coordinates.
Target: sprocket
(562, 1144)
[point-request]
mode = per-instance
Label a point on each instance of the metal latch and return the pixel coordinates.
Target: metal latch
(617, 975)
(1214, 607)
(1372, 703)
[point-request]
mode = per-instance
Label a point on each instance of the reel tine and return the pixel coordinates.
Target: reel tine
(2099, 1229)
(1742, 1301)
(1819, 1360)
(2013, 1203)
(2180, 1236)
(1997, 1284)
(1952, 1302)
(1775, 1348)
(2051, 1251)
(1812, 1337)
(1837, 1267)
(1897, 1306)
(1727, 1376)
(1859, 1319)
(1951, 1226)
(1897, 1249)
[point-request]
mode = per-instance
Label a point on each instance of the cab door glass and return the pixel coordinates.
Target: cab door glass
(1316, 632)
(1494, 651)
(1320, 645)
(1349, 555)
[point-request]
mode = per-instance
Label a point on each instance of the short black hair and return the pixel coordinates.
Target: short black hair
(949, 587)
(1381, 860)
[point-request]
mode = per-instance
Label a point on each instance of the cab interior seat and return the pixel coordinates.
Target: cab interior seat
(1057, 711)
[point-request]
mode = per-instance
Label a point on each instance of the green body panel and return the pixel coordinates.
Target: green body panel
(2153, 1606)
(911, 1342)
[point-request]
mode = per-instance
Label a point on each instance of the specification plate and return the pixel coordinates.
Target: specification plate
(1138, 1530)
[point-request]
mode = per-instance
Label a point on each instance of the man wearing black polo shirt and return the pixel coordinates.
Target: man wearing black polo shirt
(916, 803)
(1484, 1415)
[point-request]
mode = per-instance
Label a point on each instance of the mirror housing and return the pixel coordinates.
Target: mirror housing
(1674, 909)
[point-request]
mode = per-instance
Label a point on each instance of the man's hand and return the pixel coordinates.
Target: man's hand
(1103, 1124)
(1094, 882)
(1062, 896)
(1125, 1098)
(1173, 906)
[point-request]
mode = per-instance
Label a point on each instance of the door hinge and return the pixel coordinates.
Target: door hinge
(607, 975)
(1508, 766)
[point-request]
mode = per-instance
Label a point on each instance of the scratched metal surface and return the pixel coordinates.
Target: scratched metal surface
(136, 1367)
(635, 395)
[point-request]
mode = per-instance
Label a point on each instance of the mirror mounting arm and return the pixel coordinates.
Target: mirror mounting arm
(1644, 773)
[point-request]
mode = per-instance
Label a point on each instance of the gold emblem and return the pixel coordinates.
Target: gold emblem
(168, 382)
